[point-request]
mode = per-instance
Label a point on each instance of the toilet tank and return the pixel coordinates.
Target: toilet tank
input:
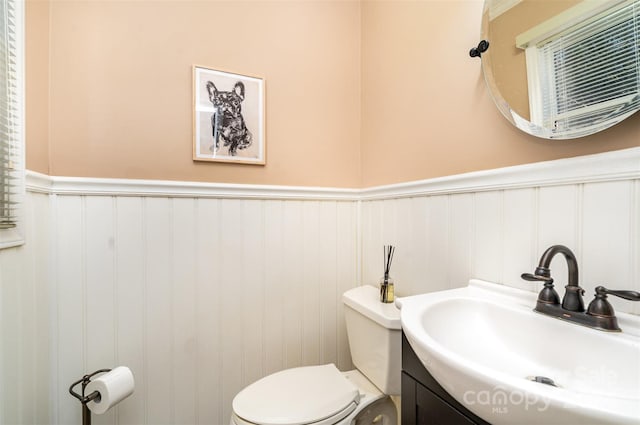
(374, 333)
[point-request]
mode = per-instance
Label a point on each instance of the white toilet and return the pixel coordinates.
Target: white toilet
(322, 395)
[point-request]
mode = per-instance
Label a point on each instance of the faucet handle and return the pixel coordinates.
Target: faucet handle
(536, 278)
(601, 307)
(627, 295)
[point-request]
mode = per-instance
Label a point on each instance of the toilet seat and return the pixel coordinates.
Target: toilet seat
(298, 396)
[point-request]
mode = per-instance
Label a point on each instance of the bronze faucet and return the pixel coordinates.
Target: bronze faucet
(599, 314)
(572, 299)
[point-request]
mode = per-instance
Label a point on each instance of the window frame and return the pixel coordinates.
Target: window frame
(540, 72)
(14, 236)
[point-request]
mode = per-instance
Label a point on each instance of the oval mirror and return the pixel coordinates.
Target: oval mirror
(561, 69)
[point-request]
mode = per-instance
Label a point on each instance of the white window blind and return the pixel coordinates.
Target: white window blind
(11, 118)
(590, 74)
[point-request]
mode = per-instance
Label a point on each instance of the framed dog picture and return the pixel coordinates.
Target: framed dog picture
(228, 117)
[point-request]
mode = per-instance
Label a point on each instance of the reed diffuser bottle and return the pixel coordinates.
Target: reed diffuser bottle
(386, 281)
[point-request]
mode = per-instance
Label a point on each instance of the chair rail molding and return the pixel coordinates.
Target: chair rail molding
(609, 166)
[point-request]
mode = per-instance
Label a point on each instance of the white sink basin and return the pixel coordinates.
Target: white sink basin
(483, 343)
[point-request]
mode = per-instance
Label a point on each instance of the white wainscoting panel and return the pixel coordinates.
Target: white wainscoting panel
(437, 254)
(488, 237)
(130, 287)
(608, 256)
(496, 235)
(198, 296)
(520, 219)
(25, 334)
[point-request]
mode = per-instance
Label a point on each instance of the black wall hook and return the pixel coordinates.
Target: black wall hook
(478, 51)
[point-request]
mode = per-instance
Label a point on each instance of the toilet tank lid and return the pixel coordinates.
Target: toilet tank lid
(296, 396)
(365, 300)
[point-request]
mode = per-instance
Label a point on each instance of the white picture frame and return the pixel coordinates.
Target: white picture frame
(228, 117)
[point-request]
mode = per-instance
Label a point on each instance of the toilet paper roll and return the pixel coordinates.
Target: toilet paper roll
(113, 387)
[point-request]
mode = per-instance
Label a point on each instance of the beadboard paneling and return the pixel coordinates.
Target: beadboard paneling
(130, 313)
(488, 236)
(346, 273)
(520, 252)
(608, 257)
(25, 333)
(496, 235)
(199, 297)
(417, 253)
(461, 241)
(70, 302)
(437, 254)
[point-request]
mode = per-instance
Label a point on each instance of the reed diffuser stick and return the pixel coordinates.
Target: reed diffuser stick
(386, 285)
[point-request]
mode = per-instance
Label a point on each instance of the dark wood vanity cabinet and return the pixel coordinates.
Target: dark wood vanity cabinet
(424, 401)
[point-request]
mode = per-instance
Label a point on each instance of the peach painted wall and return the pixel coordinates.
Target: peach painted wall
(425, 109)
(358, 93)
(121, 87)
(37, 86)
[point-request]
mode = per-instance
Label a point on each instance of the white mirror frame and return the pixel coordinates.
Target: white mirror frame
(526, 125)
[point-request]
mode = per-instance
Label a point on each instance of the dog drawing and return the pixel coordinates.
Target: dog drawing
(227, 122)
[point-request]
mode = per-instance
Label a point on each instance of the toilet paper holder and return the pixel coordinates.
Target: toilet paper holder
(86, 413)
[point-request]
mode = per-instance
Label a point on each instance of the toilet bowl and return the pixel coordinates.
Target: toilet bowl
(323, 395)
